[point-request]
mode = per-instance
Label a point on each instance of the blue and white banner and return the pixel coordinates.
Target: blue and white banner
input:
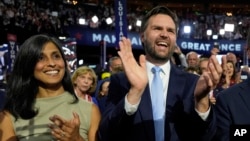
(120, 20)
(69, 49)
(92, 37)
(12, 50)
(204, 46)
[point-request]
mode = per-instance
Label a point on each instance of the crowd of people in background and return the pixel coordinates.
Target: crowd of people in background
(119, 98)
(92, 85)
(197, 64)
(52, 17)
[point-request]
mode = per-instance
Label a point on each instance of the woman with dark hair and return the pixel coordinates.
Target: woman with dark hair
(228, 79)
(41, 103)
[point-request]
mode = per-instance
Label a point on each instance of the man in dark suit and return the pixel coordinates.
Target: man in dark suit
(232, 108)
(130, 112)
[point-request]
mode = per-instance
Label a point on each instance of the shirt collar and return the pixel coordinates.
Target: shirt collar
(165, 67)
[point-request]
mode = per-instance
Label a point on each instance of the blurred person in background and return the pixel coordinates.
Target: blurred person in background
(192, 59)
(102, 94)
(41, 104)
(228, 79)
(115, 64)
(232, 57)
(84, 80)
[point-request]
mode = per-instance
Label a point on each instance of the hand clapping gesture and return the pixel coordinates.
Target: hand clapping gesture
(207, 82)
(137, 74)
(66, 130)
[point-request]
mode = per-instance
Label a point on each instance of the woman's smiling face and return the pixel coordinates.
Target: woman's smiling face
(50, 67)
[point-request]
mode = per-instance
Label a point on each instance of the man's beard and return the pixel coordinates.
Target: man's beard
(154, 55)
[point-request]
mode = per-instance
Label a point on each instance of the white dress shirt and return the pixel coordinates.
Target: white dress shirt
(165, 73)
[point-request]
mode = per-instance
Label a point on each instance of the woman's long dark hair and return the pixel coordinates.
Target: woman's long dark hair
(22, 87)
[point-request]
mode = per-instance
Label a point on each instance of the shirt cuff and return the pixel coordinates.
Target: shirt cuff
(204, 116)
(129, 108)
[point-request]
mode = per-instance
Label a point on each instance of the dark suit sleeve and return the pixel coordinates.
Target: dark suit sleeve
(187, 123)
(191, 127)
(115, 121)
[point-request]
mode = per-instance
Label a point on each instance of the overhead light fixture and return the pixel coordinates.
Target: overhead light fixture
(229, 27)
(62, 37)
(129, 27)
(74, 2)
(82, 21)
(109, 20)
(187, 29)
(138, 23)
(209, 32)
(80, 62)
(222, 31)
(215, 37)
(95, 19)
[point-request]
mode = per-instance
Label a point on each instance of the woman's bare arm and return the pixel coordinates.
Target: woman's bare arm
(95, 120)
(6, 128)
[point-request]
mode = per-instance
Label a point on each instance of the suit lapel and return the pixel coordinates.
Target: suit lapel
(176, 86)
(146, 113)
